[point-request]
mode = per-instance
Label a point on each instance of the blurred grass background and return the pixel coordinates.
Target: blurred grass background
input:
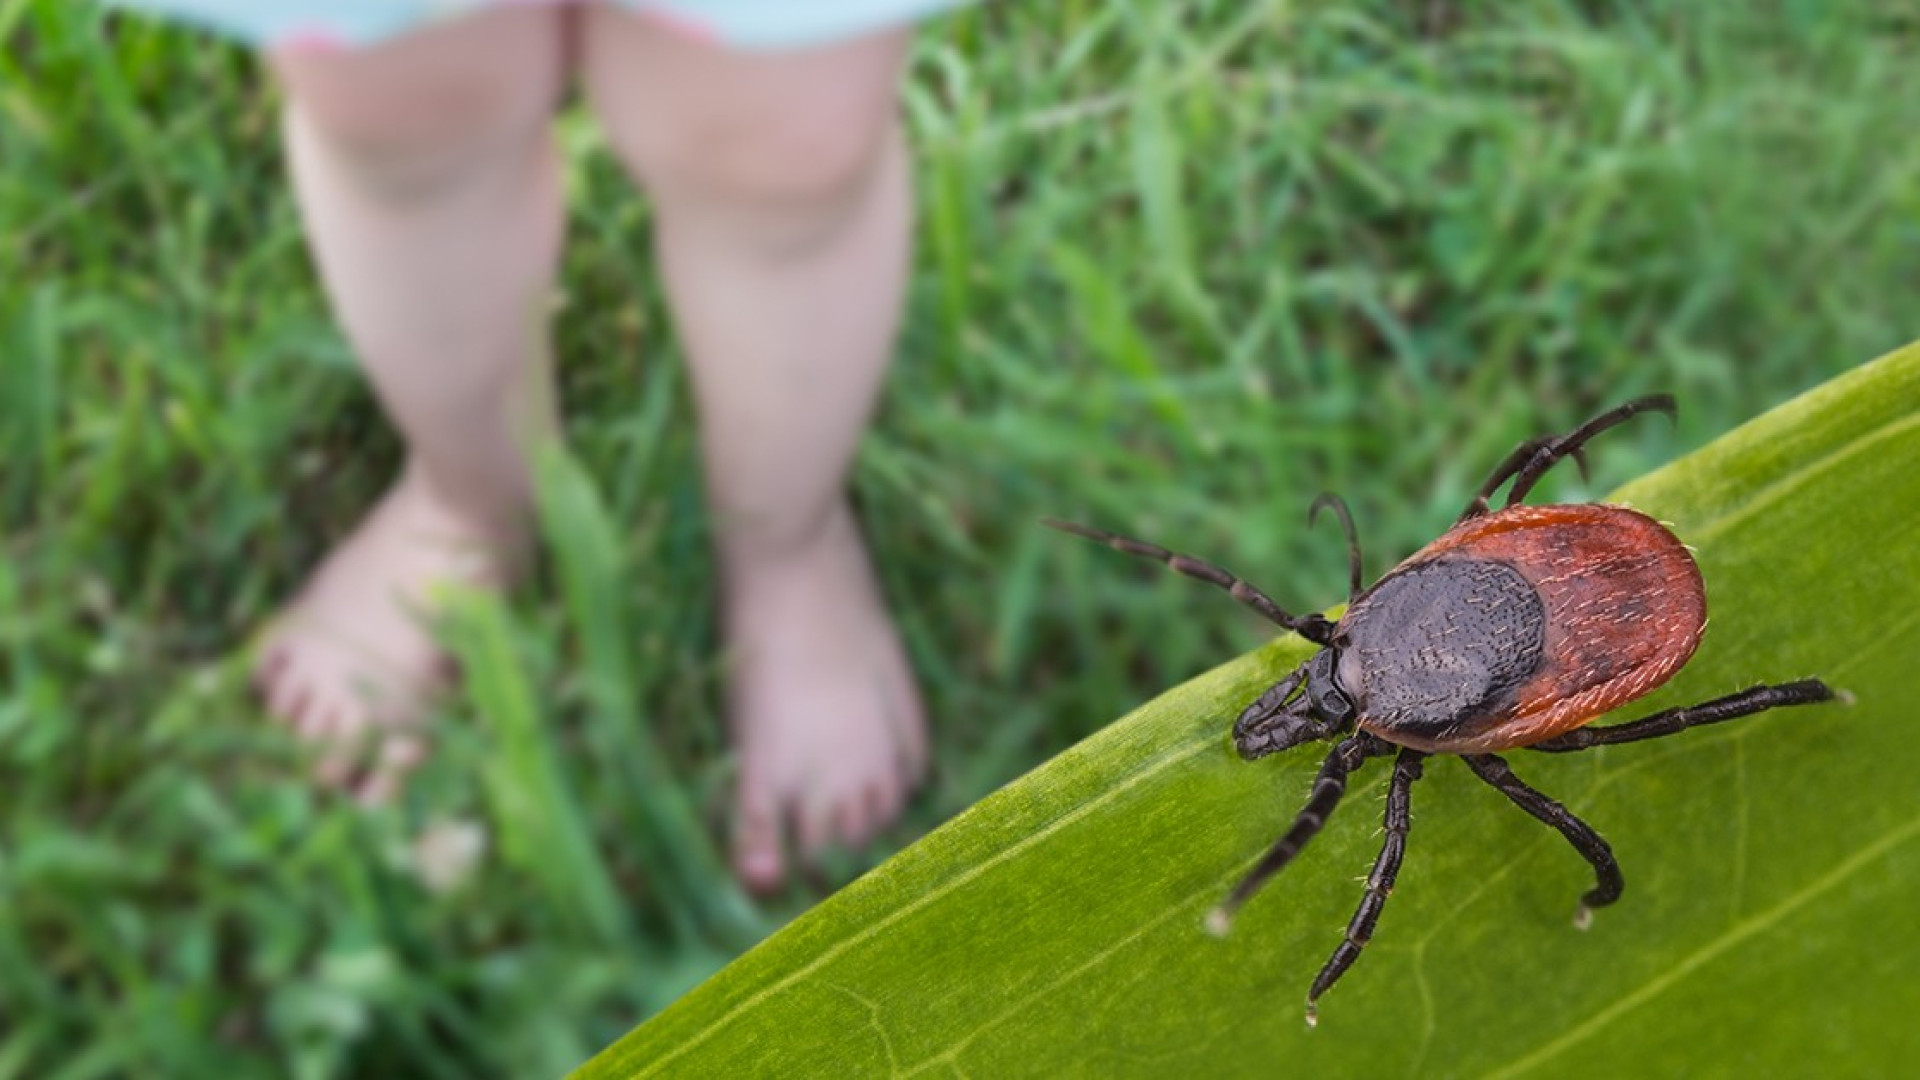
(1182, 266)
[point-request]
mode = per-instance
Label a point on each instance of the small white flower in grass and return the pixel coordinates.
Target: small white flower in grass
(446, 852)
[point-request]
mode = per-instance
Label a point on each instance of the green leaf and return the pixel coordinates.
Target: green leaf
(1771, 863)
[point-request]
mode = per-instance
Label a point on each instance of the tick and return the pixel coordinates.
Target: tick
(1513, 630)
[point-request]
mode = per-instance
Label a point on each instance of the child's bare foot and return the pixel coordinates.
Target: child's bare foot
(826, 717)
(352, 665)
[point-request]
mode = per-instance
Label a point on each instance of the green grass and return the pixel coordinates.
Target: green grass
(1182, 267)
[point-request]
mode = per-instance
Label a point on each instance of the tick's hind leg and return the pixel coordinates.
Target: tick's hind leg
(1732, 707)
(1328, 787)
(1314, 628)
(1386, 867)
(1531, 459)
(1591, 846)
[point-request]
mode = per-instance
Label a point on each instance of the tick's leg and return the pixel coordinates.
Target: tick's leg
(1591, 846)
(1504, 472)
(1265, 727)
(1732, 707)
(1328, 787)
(1531, 459)
(1406, 769)
(1312, 627)
(1328, 500)
(1545, 457)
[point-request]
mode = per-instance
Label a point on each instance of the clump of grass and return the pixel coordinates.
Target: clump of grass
(1181, 268)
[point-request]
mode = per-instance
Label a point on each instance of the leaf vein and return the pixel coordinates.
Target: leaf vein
(952, 1054)
(1735, 935)
(1785, 485)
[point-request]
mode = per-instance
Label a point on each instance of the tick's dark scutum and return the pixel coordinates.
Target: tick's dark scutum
(1440, 643)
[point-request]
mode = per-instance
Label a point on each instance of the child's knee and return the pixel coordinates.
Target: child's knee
(412, 116)
(794, 136)
(798, 163)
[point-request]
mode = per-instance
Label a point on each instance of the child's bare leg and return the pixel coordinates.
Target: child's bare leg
(783, 207)
(430, 191)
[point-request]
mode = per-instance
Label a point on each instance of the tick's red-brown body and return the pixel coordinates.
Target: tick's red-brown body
(1513, 629)
(1622, 606)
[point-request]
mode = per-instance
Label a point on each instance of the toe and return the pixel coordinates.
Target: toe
(913, 755)
(756, 845)
(267, 672)
(313, 716)
(317, 720)
(816, 826)
(909, 725)
(340, 735)
(287, 697)
(853, 822)
(399, 755)
(883, 804)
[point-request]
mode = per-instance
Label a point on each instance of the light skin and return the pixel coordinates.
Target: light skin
(429, 184)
